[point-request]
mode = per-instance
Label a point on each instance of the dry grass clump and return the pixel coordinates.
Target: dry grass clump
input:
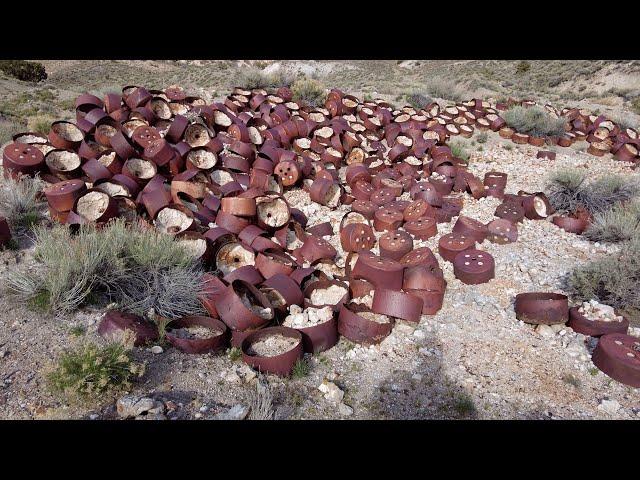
(255, 78)
(40, 124)
(445, 89)
(613, 279)
(8, 129)
(90, 370)
(95, 265)
(618, 224)
(309, 90)
(418, 100)
(534, 121)
(20, 202)
(261, 402)
(567, 191)
(565, 188)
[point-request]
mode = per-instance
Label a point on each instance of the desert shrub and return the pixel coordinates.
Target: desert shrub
(169, 292)
(618, 224)
(309, 91)
(90, 370)
(24, 70)
(445, 89)
(8, 129)
(255, 78)
(564, 188)
(523, 67)
(635, 105)
(417, 100)
(567, 190)
(607, 191)
(301, 368)
(20, 203)
(458, 149)
(612, 279)
(482, 137)
(261, 402)
(534, 121)
(40, 124)
(624, 120)
(96, 264)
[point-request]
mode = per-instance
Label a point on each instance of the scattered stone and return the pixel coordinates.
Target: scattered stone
(345, 410)
(133, 406)
(156, 349)
(545, 331)
(609, 406)
(331, 391)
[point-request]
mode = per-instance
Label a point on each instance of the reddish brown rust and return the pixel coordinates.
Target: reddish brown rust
(542, 308)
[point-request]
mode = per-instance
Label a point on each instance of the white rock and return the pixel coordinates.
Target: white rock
(609, 406)
(419, 334)
(331, 391)
(157, 349)
(545, 331)
(133, 406)
(345, 410)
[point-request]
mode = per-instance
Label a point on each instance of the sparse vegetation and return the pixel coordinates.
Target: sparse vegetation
(139, 269)
(40, 124)
(534, 121)
(20, 203)
(445, 89)
(234, 354)
(24, 70)
(8, 129)
(571, 380)
(261, 402)
(463, 405)
(523, 67)
(417, 100)
(255, 78)
(612, 279)
(482, 137)
(568, 191)
(458, 149)
(619, 224)
(309, 91)
(635, 105)
(301, 368)
(90, 370)
(564, 188)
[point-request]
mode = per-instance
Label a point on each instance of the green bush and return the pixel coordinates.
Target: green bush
(8, 129)
(534, 121)
(24, 70)
(458, 149)
(91, 370)
(482, 137)
(309, 91)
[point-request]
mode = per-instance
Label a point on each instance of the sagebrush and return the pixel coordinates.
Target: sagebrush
(20, 201)
(619, 224)
(612, 279)
(568, 191)
(309, 90)
(94, 264)
(534, 121)
(24, 70)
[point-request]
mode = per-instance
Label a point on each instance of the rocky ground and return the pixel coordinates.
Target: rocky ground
(471, 360)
